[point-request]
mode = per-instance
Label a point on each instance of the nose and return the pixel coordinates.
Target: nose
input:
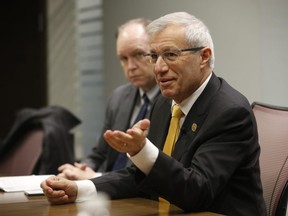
(160, 65)
(131, 64)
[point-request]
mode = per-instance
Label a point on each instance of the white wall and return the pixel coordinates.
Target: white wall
(63, 76)
(274, 47)
(250, 40)
(62, 56)
(75, 66)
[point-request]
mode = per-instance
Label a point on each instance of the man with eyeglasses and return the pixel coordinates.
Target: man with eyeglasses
(214, 164)
(124, 104)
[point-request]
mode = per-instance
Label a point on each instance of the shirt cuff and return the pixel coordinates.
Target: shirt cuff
(146, 158)
(97, 174)
(86, 190)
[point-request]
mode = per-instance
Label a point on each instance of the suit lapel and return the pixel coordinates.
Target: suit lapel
(160, 123)
(195, 118)
(129, 100)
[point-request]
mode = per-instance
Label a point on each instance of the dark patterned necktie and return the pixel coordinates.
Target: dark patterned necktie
(122, 157)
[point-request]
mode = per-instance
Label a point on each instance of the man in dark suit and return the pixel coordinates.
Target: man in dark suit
(125, 102)
(214, 165)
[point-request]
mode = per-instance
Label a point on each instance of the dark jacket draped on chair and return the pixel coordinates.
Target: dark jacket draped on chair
(58, 141)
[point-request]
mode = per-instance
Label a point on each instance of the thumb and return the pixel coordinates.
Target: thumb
(140, 127)
(144, 124)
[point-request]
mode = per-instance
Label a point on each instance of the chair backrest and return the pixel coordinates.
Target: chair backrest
(23, 156)
(272, 123)
(39, 141)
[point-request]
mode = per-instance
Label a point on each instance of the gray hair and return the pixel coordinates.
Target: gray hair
(197, 33)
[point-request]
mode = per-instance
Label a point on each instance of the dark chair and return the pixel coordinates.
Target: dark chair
(23, 156)
(272, 123)
(39, 142)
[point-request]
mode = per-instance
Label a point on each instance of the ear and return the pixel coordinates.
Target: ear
(205, 56)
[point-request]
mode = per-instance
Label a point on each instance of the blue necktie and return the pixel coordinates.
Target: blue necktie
(143, 111)
(122, 157)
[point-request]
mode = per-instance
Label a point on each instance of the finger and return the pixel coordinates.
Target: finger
(117, 145)
(118, 140)
(81, 166)
(57, 197)
(44, 186)
(56, 182)
(64, 166)
(142, 124)
(84, 166)
(118, 135)
(113, 138)
(145, 124)
(58, 200)
(140, 130)
(62, 174)
(121, 138)
(70, 174)
(54, 193)
(60, 168)
(50, 193)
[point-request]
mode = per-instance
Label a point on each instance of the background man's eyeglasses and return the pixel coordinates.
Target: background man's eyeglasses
(168, 56)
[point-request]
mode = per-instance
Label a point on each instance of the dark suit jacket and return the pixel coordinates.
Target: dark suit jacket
(118, 116)
(213, 168)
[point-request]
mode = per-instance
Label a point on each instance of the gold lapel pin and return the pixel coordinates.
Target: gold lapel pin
(194, 127)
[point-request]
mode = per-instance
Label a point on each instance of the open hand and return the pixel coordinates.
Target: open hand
(131, 141)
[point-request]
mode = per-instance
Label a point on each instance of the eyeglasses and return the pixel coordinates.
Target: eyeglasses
(168, 56)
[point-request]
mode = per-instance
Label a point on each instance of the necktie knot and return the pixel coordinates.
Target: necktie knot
(146, 99)
(176, 111)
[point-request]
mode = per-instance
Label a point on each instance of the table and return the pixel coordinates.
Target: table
(13, 204)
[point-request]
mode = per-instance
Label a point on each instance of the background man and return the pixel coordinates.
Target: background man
(124, 104)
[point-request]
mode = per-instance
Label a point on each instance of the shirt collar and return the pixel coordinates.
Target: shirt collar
(186, 105)
(151, 94)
